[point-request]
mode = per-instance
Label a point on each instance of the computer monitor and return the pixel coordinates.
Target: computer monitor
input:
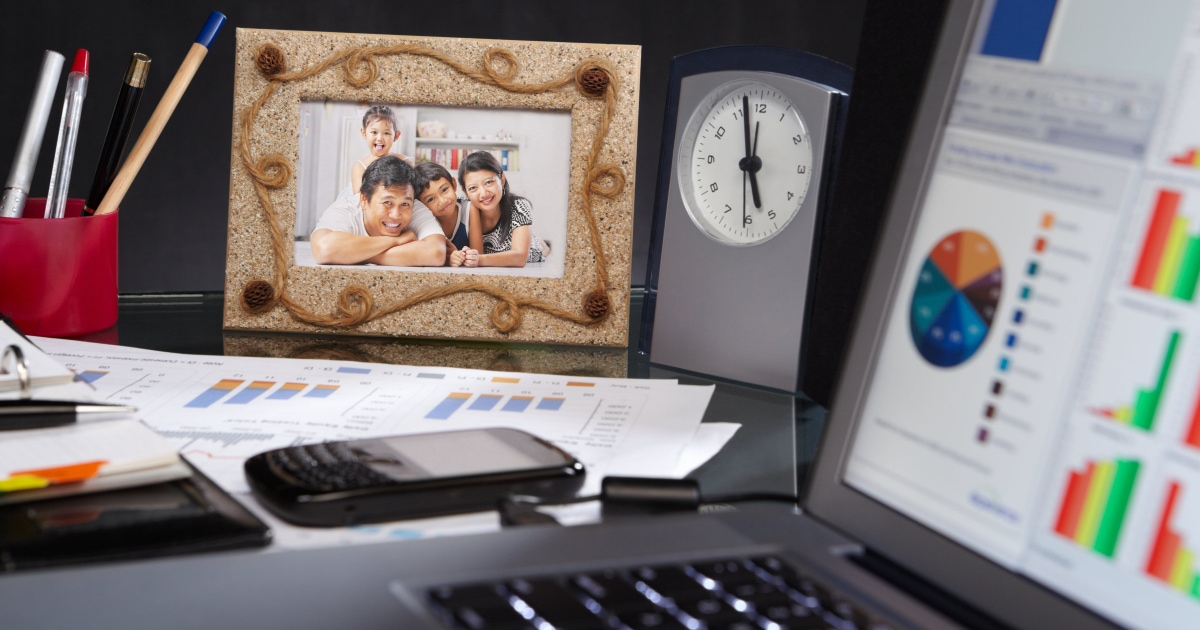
(1029, 343)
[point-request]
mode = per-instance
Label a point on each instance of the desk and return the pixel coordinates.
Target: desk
(346, 586)
(770, 453)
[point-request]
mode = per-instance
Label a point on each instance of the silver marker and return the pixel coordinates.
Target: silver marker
(16, 188)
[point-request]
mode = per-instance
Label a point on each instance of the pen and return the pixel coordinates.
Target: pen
(162, 112)
(118, 130)
(20, 175)
(68, 133)
(39, 414)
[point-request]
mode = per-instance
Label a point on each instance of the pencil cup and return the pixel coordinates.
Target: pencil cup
(58, 277)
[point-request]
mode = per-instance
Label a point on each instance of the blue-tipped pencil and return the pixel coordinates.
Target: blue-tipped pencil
(162, 112)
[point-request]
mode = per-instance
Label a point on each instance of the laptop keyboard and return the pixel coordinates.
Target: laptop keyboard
(760, 593)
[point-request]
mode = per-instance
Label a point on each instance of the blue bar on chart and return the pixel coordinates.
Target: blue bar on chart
(448, 406)
(321, 391)
(287, 391)
(433, 375)
(517, 403)
(252, 391)
(485, 402)
(550, 404)
(354, 370)
(90, 376)
(214, 393)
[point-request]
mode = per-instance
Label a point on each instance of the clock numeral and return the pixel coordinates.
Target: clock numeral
(720, 132)
(747, 221)
(802, 169)
(771, 214)
(711, 159)
(761, 108)
(713, 186)
(790, 195)
(798, 139)
(727, 208)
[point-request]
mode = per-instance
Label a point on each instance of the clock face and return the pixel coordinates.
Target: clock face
(745, 163)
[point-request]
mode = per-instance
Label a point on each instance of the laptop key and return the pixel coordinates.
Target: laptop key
(794, 616)
(727, 573)
(711, 610)
(651, 620)
(555, 604)
(491, 618)
(610, 590)
(672, 582)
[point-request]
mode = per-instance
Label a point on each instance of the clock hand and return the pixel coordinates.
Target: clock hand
(746, 125)
(754, 166)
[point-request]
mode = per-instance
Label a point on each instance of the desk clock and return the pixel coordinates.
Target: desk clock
(749, 145)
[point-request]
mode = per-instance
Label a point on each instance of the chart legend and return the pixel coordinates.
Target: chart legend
(1092, 511)
(955, 299)
(1143, 411)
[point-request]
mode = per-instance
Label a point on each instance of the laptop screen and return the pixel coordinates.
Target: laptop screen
(1035, 391)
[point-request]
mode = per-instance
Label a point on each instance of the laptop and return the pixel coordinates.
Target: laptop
(1015, 439)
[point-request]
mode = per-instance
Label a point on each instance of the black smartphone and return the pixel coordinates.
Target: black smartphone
(409, 476)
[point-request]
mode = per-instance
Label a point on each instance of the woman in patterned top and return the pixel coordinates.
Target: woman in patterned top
(501, 224)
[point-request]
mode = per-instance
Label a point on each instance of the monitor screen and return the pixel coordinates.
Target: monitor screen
(1035, 395)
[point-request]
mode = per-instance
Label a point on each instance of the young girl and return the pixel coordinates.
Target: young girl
(379, 130)
(501, 224)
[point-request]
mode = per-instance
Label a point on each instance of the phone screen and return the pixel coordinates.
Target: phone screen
(454, 454)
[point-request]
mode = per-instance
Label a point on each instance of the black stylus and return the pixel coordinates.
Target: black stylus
(118, 131)
(38, 414)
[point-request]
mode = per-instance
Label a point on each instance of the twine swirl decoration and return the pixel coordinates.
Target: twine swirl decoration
(592, 78)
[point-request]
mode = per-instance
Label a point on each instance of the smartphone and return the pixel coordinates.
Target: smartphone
(409, 476)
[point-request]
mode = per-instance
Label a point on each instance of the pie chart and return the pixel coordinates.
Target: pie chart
(956, 297)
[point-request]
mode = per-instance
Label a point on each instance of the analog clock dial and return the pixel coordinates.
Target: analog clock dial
(745, 163)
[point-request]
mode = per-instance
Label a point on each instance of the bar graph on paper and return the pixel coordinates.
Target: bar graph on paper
(242, 392)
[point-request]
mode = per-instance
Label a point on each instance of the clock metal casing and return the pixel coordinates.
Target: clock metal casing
(736, 312)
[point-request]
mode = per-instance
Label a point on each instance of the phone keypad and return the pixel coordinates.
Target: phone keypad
(326, 467)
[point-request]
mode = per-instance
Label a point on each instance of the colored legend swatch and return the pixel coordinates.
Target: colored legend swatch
(505, 379)
(485, 402)
(321, 391)
(1189, 158)
(214, 393)
(1144, 410)
(550, 404)
(90, 376)
(517, 403)
(955, 298)
(448, 406)
(1093, 508)
(1169, 262)
(287, 391)
(1169, 560)
(252, 391)
(353, 370)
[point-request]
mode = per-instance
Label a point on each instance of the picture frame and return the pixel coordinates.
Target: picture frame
(582, 299)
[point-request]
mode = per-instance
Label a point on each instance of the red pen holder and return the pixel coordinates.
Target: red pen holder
(58, 277)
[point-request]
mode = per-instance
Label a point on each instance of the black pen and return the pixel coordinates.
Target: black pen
(118, 131)
(38, 414)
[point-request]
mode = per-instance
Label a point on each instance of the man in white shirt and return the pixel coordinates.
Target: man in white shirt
(385, 225)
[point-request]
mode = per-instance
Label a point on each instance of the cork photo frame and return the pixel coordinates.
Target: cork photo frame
(289, 85)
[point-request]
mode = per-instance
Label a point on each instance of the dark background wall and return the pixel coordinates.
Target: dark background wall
(172, 222)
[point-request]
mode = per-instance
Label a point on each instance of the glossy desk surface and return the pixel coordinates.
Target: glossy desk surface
(770, 453)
